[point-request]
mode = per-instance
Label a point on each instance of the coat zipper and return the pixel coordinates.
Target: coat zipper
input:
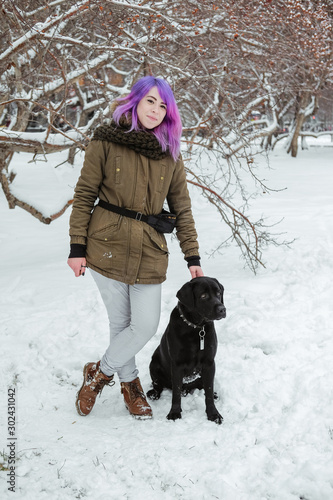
(131, 222)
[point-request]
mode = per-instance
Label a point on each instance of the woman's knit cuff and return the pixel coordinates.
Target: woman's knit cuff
(194, 260)
(77, 250)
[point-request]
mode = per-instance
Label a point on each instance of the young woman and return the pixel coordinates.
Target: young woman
(133, 163)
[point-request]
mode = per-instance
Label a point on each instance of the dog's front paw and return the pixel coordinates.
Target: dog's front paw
(153, 394)
(174, 415)
(215, 417)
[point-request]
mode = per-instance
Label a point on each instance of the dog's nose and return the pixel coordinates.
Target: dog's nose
(221, 310)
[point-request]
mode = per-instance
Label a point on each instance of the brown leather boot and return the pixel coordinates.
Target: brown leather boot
(135, 399)
(93, 383)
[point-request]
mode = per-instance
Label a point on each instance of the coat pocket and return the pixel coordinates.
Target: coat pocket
(103, 224)
(155, 256)
(158, 240)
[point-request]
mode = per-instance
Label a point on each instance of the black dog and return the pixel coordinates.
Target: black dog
(184, 360)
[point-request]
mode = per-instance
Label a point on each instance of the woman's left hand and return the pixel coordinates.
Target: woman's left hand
(196, 271)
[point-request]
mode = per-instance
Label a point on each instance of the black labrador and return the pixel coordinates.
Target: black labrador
(184, 360)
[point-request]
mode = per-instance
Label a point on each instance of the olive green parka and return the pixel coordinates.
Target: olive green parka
(117, 247)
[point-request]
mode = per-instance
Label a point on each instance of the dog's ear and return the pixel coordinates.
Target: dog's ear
(221, 288)
(185, 295)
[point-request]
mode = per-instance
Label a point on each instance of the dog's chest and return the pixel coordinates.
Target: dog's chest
(192, 359)
(197, 344)
(189, 379)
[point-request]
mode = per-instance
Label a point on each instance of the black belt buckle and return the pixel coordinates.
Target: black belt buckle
(138, 216)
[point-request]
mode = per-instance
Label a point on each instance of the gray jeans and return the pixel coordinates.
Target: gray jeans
(134, 313)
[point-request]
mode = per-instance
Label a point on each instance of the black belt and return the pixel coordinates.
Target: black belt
(124, 211)
(164, 222)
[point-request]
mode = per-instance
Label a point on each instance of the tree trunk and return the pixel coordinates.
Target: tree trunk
(303, 101)
(5, 158)
(71, 155)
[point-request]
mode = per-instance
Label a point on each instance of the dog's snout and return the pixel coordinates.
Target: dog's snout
(221, 311)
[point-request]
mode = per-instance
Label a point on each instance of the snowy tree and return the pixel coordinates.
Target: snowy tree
(63, 62)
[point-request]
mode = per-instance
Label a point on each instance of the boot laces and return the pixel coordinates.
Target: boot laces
(101, 383)
(135, 391)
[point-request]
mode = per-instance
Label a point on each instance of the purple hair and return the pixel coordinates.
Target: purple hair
(169, 132)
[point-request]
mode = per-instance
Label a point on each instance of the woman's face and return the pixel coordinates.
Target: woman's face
(151, 109)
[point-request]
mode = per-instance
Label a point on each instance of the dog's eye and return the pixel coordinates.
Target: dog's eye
(204, 296)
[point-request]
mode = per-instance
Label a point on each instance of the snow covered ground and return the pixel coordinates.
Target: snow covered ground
(274, 364)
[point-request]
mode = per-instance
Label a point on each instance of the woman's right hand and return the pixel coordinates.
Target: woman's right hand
(78, 264)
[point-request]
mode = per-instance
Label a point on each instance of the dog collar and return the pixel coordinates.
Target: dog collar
(181, 314)
(202, 332)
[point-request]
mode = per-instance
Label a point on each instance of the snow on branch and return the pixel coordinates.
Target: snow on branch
(39, 28)
(238, 70)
